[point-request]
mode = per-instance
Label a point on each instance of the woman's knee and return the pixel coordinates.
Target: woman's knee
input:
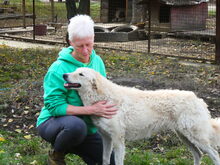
(65, 127)
(74, 131)
(75, 126)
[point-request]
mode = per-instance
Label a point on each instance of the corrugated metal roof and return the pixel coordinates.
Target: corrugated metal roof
(182, 2)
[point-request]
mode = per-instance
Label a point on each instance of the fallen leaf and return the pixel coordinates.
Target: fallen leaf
(17, 155)
(2, 139)
(34, 162)
(27, 137)
(31, 126)
(18, 130)
(26, 107)
(37, 114)
(10, 120)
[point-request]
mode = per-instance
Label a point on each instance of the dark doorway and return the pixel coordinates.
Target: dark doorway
(117, 9)
(164, 15)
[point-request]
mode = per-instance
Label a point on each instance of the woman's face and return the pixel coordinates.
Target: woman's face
(82, 48)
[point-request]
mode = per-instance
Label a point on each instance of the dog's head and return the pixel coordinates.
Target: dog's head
(82, 78)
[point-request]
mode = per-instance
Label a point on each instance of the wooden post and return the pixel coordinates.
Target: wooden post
(52, 10)
(23, 13)
(217, 41)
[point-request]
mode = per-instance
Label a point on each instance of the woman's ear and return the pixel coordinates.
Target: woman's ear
(67, 39)
(71, 43)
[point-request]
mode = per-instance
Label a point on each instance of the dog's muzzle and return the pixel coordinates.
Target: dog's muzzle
(70, 85)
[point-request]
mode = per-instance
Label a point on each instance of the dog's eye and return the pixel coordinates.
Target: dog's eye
(81, 74)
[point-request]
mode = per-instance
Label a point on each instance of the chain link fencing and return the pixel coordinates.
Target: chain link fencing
(184, 29)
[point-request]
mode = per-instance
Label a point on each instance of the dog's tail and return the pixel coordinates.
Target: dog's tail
(216, 132)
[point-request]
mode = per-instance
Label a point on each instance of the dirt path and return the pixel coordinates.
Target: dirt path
(24, 45)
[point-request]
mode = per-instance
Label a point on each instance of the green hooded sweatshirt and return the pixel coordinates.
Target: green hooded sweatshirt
(56, 97)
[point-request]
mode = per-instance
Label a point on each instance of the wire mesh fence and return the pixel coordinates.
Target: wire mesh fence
(177, 28)
(11, 14)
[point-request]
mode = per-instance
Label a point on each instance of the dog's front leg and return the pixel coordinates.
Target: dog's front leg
(107, 149)
(119, 149)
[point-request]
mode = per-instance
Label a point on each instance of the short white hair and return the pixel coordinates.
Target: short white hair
(80, 26)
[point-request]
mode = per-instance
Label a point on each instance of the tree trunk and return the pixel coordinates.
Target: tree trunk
(6, 2)
(138, 11)
(84, 7)
(72, 10)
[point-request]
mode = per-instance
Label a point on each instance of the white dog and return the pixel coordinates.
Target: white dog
(142, 113)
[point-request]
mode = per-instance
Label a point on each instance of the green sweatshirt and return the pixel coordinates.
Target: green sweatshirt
(56, 97)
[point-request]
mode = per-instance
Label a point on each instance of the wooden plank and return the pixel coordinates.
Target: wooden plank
(15, 31)
(15, 16)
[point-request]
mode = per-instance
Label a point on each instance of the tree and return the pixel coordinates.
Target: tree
(6, 2)
(72, 9)
(139, 11)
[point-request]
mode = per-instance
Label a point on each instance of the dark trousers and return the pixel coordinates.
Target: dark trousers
(68, 134)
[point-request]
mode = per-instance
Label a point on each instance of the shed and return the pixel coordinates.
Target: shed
(179, 15)
(166, 15)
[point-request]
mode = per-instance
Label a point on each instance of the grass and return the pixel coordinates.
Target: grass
(23, 64)
(211, 13)
(21, 67)
(44, 12)
(16, 148)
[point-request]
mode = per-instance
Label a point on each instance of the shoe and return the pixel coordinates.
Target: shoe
(56, 158)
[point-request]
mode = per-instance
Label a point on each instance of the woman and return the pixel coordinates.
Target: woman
(64, 121)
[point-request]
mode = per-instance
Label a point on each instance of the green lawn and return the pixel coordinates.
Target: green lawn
(19, 148)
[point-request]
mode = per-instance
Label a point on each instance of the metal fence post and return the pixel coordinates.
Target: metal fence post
(217, 41)
(52, 10)
(34, 20)
(23, 13)
(149, 25)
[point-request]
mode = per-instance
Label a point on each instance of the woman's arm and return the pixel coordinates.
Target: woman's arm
(100, 108)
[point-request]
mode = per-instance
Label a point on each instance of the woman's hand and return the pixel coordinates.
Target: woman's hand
(103, 109)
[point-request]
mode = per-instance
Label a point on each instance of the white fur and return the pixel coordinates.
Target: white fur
(80, 26)
(142, 113)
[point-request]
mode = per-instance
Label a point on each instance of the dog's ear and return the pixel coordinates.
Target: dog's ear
(96, 83)
(94, 86)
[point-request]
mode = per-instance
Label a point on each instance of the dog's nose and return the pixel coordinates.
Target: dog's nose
(65, 76)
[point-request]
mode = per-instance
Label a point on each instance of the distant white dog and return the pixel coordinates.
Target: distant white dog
(142, 113)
